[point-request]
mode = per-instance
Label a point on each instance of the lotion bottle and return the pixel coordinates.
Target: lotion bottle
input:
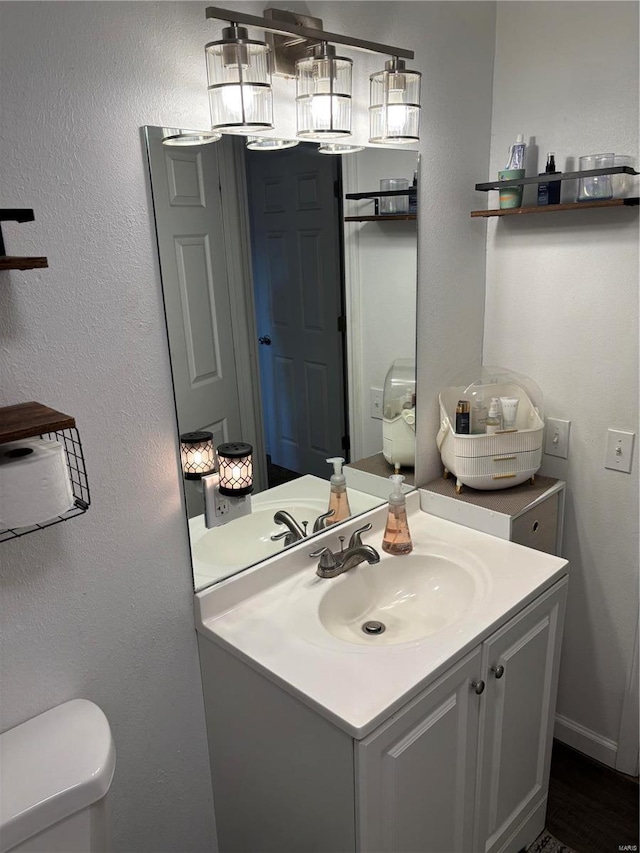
(494, 418)
(397, 538)
(338, 499)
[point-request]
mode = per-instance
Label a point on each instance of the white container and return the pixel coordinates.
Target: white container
(491, 461)
(55, 772)
(399, 414)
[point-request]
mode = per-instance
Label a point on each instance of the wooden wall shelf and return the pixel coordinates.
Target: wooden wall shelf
(7, 262)
(25, 420)
(549, 208)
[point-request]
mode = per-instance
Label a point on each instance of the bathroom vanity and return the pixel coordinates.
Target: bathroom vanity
(433, 736)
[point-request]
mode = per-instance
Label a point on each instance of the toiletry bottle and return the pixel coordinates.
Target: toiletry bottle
(397, 538)
(549, 193)
(338, 499)
(463, 426)
(516, 153)
(479, 416)
(494, 418)
(413, 199)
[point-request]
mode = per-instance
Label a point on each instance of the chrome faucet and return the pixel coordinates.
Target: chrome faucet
(336, 563)
(295, 532)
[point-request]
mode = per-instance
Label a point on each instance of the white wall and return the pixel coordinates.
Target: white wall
(562, 307)
(102, 606)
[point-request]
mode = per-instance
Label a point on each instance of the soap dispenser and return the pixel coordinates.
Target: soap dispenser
(338, 498)
(397, 538)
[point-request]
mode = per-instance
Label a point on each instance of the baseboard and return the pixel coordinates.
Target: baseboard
(586, 741)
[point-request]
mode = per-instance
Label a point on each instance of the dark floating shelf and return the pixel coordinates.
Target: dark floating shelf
(10, 262)
(25, 420)
(547, 178)
(549, 208)
(410, 191)
(385, 217)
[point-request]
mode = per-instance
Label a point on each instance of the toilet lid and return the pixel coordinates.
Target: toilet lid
(52, 766)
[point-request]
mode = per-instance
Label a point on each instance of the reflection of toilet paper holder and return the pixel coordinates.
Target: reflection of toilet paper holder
(51, 441)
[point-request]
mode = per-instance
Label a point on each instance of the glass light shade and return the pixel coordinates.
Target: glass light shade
(263, 143)
(323, 95)
(175, 137)
(240, 96)
(198, 454)
(236, 468)
(394, 106)
(337, 148)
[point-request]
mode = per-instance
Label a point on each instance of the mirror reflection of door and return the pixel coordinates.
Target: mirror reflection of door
(296, 247)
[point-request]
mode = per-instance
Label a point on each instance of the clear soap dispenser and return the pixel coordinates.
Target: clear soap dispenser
(397, 538)
(338, 498)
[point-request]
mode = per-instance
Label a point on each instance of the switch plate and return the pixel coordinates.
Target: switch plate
(619, 450)
(556, 441)
(376, 402)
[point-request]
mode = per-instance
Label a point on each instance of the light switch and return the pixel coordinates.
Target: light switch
(619, 450)
(556, 442)
(376, 402)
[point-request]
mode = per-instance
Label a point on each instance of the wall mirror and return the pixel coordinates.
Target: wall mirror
(289, 294)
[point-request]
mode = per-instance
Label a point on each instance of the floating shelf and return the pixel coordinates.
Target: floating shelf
(549, 208)
(385, 217)
(551, 177)
(26, 420)
(10, 262)
(410, 191)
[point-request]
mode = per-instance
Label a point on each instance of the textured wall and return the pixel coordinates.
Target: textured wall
(562, 307)
(101, 606)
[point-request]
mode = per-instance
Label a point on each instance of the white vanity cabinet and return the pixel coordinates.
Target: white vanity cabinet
(459, 770)
(463, 767)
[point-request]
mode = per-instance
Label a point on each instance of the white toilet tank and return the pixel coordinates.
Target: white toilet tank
(55, 772)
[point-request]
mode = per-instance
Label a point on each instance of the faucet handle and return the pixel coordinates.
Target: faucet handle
(355, 540)
(327, 559)
(319, 523)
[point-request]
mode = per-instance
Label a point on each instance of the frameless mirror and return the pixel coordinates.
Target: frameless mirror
(290, 294)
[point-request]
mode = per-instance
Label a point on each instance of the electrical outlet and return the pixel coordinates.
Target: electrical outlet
(376, 403)
(619, 450)
(557, 437)
(222, 506)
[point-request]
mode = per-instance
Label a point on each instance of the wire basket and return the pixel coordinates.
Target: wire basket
(70, 439)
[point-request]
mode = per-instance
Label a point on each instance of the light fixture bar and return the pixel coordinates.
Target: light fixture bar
(284, 28)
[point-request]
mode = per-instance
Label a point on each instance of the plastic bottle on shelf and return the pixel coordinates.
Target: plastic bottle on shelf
(516, 153)
(397, 537)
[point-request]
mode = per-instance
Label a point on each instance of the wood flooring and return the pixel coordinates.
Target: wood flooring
(592, 808)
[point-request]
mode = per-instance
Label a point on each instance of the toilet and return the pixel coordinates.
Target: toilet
(55, 773)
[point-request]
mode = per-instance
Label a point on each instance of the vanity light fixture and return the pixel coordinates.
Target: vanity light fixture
(198, 454)
(323, 80)
(176, 138)
(323, 94)
(240, 96)
(338, 148)
(236, 469)
(263, 143)
(394, 106)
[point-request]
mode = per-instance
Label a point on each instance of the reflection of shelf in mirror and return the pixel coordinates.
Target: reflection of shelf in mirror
(545, 178)
(398, 217)
(550, 208)
(410, 191)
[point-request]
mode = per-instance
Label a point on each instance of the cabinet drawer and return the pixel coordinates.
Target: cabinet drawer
(499, 464)
(538, 527)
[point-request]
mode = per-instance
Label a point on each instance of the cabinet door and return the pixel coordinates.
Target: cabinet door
(416, 773)
(516, 723)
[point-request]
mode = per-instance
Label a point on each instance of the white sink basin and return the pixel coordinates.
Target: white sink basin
(246, 540)
(412, 597)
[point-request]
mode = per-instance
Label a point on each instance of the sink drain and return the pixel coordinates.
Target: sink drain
(373, 627)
